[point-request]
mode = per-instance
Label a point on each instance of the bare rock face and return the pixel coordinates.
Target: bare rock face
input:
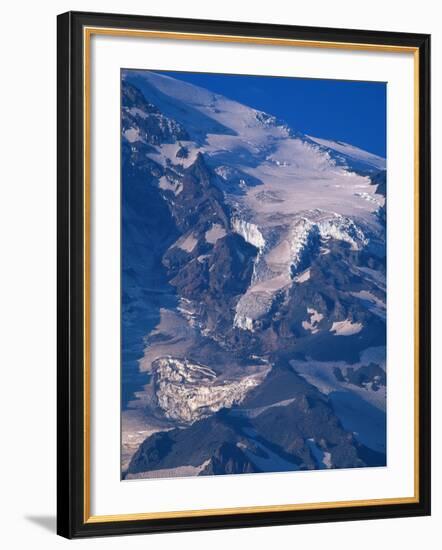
(208, 443)
(143, 122)
(229, 459)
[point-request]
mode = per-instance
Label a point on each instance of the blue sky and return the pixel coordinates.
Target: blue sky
(350, 111)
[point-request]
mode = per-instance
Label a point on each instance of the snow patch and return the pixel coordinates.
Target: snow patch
(167, 185)
(187, 242)
(216, 232)
(312, 323)
(132, 135)
(134, 111)
(346, 328)
(303, 277)
(322, 458)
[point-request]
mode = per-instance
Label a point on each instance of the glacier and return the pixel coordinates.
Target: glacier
(188, 391)
(271, 247)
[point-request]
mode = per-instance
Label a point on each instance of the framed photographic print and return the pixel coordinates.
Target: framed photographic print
(243, 274)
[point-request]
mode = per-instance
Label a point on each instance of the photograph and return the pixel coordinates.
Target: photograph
(243, 267)
(253, 274)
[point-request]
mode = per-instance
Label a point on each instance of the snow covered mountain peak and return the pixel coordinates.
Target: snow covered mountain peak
(201, 110)
(251, 244)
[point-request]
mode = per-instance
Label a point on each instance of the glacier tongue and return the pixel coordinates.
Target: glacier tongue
(188, 391)
(303, 236)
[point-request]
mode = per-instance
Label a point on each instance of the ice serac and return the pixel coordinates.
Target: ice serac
(269, 245)
(249, 232)
(279, 266)
(188, 391)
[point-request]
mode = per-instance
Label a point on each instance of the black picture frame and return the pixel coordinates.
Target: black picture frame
(72, 393)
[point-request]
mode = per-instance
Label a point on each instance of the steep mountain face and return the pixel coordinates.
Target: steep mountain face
(254, 279)
(142, 121)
